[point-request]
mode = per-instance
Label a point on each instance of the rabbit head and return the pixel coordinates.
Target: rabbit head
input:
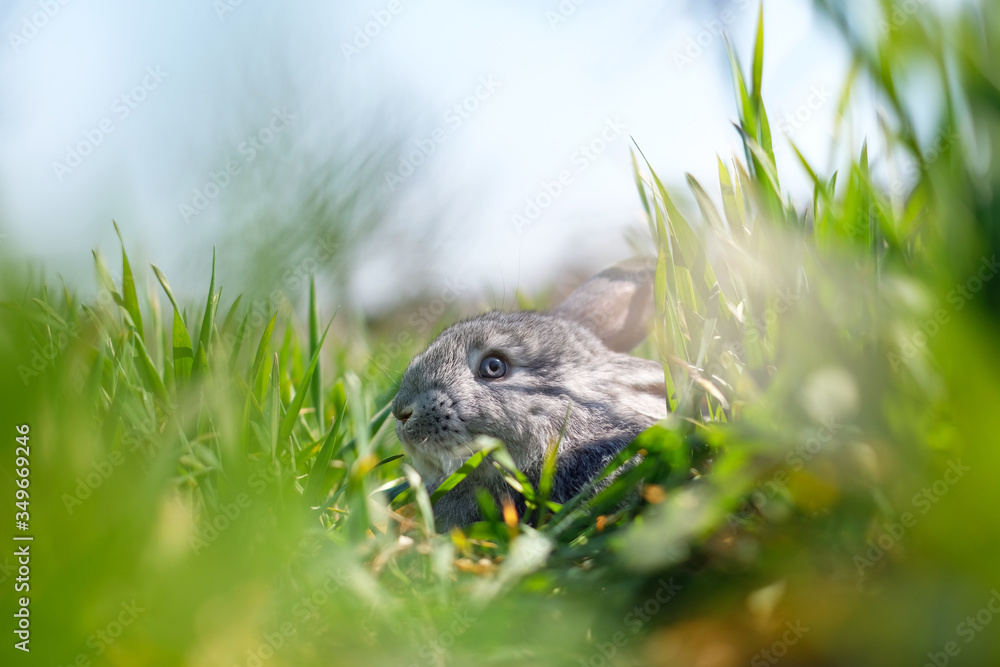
(530, 378)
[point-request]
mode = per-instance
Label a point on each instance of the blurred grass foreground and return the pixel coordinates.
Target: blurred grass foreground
(206, 486)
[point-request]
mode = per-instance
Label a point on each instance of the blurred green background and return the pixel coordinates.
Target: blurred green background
(212, 480)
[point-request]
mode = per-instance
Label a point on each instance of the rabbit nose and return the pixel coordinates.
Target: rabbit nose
(405, 414)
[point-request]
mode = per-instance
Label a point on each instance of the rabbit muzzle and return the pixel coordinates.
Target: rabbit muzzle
(433, 433)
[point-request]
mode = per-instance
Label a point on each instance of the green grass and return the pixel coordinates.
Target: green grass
(214, 486)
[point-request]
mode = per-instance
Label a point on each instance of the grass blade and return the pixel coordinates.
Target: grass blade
(758, 55)
(256, 377)
(183, 352)
(273, 406)
(207, 324)
(300, 392)
(455, 478)
(320, 466)
(317, 380)
(129, 297)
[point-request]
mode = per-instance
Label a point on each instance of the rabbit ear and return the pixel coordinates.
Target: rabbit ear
(616, 304)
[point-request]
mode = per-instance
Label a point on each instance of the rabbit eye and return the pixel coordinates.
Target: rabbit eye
(492, 368)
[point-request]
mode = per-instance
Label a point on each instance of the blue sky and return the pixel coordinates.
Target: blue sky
(505, 106)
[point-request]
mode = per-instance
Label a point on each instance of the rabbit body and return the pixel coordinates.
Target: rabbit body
(530, 379)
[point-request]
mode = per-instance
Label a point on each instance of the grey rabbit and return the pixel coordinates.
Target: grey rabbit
(516, 376)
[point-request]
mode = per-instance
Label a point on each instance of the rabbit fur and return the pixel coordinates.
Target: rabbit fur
(567, 372)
